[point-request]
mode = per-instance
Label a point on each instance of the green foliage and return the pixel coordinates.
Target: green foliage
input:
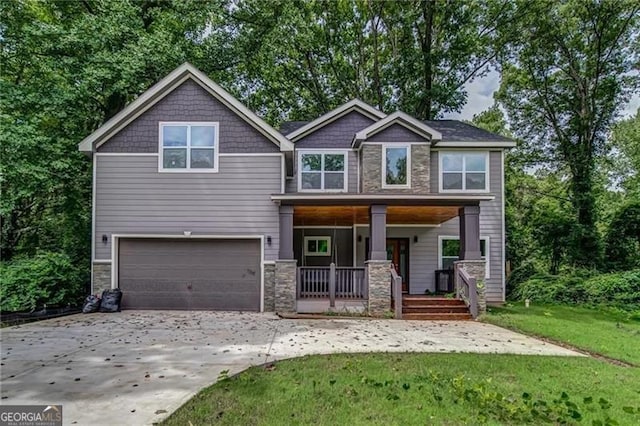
(565, 77)
(46, 278)
(623, 238)
(624, 155)
(302, 59)
(615, 289)
(522, 273)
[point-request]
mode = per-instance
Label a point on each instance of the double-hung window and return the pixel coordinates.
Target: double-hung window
(396, 163)
(449, 251)
(464, 171)
(322, 171)
(188, 147)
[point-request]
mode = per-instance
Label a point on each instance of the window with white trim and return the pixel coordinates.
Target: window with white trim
(449, 251)
(317, 246)
(464, 171)
(322, 171)
(188, 147)
(396, 163)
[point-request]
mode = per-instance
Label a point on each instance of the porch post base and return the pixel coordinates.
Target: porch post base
(285, 286)
(475, 268)
(379, 279)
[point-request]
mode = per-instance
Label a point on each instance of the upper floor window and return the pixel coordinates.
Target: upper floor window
(464, 171)
(188, 147)
(396, 163)
(322, 171)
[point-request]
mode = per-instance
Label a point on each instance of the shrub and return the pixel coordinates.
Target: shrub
(519, 275)
(46, 278)
(623, 238)
(616, 289)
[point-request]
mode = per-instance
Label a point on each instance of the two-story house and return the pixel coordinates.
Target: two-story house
(200, 204)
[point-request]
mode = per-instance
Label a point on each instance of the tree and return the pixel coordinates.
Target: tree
(66, 68)
(623, 238)
(414, 55)
(564, 79)
(624, 144)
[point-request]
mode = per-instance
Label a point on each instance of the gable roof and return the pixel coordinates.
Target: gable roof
(401, 119)
(454, 133)
(158, 91)
(353, 105)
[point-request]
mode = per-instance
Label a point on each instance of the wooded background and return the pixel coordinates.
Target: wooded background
(567, 68)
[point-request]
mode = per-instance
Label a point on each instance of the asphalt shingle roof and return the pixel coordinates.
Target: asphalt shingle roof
(452, 131)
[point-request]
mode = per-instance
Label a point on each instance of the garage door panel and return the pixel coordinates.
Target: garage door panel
(190, 274)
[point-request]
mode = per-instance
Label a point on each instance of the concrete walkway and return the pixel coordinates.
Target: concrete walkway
(136, 367)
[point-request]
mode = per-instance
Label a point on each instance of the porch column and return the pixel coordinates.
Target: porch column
(378, 267)
(286, 265)
(470, 233)
(378, 232)
(286, 233)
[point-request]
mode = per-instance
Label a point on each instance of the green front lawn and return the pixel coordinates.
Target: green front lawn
(390, 389)
(609, 333)
(448, 389)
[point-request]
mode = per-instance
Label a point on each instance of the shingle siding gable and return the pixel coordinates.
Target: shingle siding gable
(189, 102)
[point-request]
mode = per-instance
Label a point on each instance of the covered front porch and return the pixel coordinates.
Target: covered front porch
(350, 252)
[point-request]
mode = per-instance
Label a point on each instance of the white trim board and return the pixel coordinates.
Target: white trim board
(322, 153)
(487, 246)
(353, 105)
(188, 147)
(115, 246)
(401, 119)
(167, 85)
(126, 154)
(487, 168)
(383, 167)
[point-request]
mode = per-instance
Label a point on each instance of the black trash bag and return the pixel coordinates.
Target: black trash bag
(91, 304)
(111, 300)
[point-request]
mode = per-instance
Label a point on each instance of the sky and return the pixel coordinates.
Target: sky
(480, 98)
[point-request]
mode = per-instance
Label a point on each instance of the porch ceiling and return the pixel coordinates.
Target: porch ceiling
(349, 215)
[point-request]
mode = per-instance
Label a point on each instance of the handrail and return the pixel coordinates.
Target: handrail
(396, 292)
(332, 282)
(468, 291)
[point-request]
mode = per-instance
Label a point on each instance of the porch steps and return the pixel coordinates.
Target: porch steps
(415, 307)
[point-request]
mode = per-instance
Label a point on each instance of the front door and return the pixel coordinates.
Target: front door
(398, 254)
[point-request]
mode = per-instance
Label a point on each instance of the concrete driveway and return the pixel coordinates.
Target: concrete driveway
(136, 367)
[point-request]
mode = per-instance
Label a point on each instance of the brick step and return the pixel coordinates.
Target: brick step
(437, 316)
(453, 309)
(430, 301)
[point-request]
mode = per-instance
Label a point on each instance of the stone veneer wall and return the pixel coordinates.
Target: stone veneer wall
(379, 279)
(475, 268)
(101, 278)
(285, 285)
(372, 170)
(269, 287)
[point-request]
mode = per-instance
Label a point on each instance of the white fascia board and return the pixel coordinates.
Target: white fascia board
(403, 120)
(333, 115)
(476, 144)
(159, 90)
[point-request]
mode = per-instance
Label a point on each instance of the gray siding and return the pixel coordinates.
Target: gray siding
(341, 240)
(352, 173)
(133, 198)
(189, 102)
(337, 134)
(490, 223)
(424, 254)
(396, 133)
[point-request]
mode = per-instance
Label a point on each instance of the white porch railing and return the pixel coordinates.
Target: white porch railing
(321, 282)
